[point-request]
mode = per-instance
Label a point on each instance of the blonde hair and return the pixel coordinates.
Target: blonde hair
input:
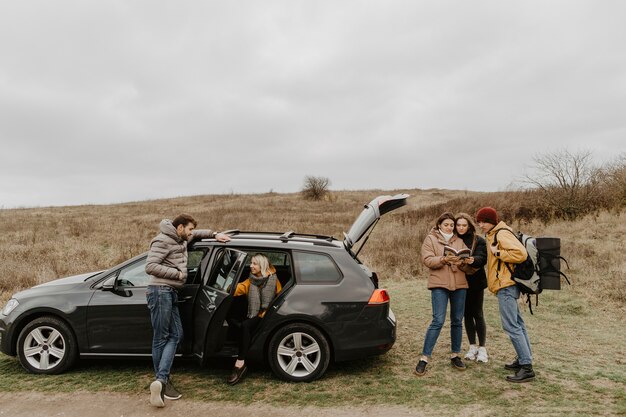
(267, 268)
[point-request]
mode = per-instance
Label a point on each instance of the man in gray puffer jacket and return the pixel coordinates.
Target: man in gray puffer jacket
(167, 267)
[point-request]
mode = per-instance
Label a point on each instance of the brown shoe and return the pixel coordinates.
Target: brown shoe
(237, 374)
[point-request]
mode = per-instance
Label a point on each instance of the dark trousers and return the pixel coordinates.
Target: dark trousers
(248, 326)
(474, 318)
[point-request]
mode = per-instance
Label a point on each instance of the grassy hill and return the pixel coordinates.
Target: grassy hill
(577, 334)
(40, 244)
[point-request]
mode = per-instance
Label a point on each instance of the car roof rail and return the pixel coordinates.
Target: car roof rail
(286, 236)
(291, 234)
(231, 232)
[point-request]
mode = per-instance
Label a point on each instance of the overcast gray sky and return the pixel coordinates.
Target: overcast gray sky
(113, 101)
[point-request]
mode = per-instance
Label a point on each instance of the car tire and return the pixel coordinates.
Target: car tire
(299, 353)
(46, 346)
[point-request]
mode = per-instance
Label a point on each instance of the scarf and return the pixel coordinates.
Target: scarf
(260, 293)
(446, 236)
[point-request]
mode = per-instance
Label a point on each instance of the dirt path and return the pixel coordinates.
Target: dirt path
(84, 404)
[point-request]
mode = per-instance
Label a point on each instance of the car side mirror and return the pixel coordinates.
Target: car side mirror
(109, 284)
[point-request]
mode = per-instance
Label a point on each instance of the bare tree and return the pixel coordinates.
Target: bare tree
(568, 182)
(315, 188)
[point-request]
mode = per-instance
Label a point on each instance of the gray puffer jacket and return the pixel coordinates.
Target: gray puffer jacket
(167, 256)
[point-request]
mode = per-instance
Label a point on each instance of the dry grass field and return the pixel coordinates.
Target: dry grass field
(41, 244)
(577, 334)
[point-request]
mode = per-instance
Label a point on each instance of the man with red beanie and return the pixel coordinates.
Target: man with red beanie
(507, 249)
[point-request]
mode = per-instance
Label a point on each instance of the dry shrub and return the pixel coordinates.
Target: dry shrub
(613, 184)
(567, 185)
(315, 188)
(594, 246)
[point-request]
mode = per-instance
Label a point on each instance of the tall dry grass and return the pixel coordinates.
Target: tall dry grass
(41, 244)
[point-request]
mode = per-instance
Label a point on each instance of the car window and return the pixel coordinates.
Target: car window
(315, 267)
(194, 261)
(225, 269)
(133, 275)
(277, 259)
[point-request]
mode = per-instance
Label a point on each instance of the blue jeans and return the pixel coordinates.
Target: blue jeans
(167, 329)
(439, 297)
(513, 324)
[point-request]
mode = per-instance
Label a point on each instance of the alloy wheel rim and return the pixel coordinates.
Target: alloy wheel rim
(298, 354)
(44, 348)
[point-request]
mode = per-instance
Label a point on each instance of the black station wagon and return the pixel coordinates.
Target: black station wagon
(330, 307)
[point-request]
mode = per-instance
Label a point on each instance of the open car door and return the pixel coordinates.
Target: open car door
(369, 217)
(214, 299)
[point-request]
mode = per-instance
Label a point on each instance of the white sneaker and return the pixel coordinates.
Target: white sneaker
(157, 391)
(471, 353)
(482, 355)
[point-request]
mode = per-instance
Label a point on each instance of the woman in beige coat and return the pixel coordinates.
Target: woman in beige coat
(446, 282)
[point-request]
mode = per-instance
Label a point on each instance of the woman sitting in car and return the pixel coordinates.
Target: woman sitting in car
(260, 288)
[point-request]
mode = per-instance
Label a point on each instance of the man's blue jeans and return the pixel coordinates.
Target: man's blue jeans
(167, 329)
(439, 297)
(513, 324)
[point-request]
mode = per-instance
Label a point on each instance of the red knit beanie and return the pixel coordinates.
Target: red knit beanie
(487, 215)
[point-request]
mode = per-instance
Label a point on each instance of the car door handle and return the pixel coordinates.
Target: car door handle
(184, 299)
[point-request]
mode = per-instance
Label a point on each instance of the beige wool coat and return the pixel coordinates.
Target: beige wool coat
(442, 275)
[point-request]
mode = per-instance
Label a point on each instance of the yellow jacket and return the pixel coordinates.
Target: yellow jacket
(510, 250)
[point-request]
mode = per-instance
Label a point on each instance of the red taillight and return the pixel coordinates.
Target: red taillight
(379, 297)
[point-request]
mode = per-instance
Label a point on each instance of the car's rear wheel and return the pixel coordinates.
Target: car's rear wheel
(299, 352)
(46, 346)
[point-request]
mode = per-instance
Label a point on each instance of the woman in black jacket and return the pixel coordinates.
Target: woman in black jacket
(477, 280)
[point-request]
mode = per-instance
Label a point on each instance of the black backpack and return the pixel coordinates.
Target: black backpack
(542, 268)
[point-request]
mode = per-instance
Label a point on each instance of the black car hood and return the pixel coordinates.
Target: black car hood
(74, 279)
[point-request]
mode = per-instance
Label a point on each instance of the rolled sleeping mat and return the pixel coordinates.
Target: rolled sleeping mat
(549, 260)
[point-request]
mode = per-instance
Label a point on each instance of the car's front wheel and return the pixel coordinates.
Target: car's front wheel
(46, 346)
(299, 352)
